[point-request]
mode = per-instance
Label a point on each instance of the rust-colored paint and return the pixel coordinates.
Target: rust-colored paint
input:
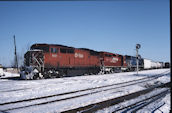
(80, 58)
(111, 59)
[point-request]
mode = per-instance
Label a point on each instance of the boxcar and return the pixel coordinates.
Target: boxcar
(147, 63)
(153, 65)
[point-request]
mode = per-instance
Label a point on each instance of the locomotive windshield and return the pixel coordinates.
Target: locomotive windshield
(44, 48)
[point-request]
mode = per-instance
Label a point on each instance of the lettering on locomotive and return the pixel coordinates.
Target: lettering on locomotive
(79, 55)
(114, 60)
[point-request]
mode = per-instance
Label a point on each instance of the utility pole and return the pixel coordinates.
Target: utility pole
(137, 56)
(15, 53)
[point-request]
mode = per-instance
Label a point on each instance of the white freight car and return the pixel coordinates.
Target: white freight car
(153, 65)
(158, 65)
(162, 64)
(147, 64)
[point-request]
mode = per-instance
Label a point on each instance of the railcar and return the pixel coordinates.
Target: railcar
(132, 63)
(155, 65)
(147, 64)
(112, 62)
(52, 60)
(166, 65)
(161, 64)
(150, 64)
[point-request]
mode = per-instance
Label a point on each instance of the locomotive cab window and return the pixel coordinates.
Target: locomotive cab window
(70, 51)
(94, 53)
(62, 50)
(54, 50)
(44, 48)
(119, 56)
(107, 55)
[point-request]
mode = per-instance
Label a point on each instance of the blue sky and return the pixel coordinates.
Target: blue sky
(113, 26)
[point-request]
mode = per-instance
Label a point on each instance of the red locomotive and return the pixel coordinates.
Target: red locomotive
(52, 60)
(113, 62)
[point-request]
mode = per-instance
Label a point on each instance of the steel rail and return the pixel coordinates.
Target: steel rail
(140, 104)
(104, 104)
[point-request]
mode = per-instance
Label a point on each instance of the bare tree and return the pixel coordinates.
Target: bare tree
(21, 54)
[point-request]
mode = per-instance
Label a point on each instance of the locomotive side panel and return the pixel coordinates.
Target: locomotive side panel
(92, 57)
(94, 61)
(66, 57)
(111, 60)
(81, 58)
(51, 57)
(59, 57)
(63, 57)
(132, 63)
(124, 62)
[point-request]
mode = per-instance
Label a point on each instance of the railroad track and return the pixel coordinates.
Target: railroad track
(28, 88)
(24, 89)
(98, 89)
(133, 108)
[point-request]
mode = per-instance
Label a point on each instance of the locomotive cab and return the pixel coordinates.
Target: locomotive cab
(33, 63)
(34, 58)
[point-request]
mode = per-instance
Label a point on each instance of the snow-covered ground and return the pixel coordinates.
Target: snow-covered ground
(7, 75)
(162, 103)
(1, 72)
(13, 90)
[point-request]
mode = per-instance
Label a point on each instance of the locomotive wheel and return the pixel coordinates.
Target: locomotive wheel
(36, 76)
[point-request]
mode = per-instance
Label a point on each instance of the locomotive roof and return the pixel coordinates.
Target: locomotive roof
(88, 49)
(44, 44)
(35, 50)
(108, 52)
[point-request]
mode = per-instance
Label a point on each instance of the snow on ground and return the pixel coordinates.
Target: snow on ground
(148, 109)
(12, 90)
(7, 75)
(167, 106)
(163, 105)
(1, 72)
